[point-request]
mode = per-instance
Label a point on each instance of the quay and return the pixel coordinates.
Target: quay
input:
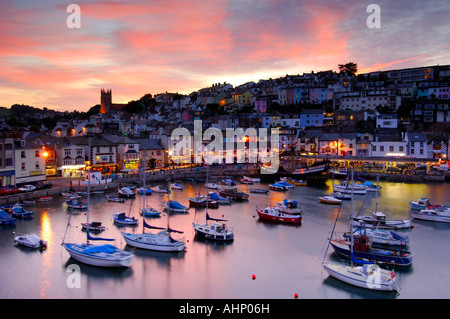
(369, 169)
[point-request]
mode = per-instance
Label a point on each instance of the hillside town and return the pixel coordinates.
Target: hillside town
(340, 115)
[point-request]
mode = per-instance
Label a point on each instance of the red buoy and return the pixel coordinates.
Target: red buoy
(296, 295)
(253, 277)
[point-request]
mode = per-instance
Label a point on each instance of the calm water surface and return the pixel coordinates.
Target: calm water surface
(285, 259)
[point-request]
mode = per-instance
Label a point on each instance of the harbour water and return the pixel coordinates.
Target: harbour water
(285, 259)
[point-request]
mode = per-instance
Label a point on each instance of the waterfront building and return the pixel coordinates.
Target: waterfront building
(29, 162)
(311, 117)
(7, 168)
(416, 145)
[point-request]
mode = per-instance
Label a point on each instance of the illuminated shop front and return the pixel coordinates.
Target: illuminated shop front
(73, 170)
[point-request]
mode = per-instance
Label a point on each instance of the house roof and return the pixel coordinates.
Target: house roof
(149, 144)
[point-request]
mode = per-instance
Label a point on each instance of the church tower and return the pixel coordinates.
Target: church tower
(105, 101)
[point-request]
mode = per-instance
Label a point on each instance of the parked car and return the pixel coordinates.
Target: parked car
(8, 191)
(44, 185)
(27, 188)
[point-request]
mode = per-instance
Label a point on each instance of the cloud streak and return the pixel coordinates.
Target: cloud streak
(139, 47)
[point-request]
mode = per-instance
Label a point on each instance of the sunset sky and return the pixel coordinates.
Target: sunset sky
(136, 47)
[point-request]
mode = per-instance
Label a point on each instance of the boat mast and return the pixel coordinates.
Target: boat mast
(88, 190)
(351, 226)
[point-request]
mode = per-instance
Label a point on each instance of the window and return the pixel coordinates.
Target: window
(23, 166)
(391, 148)
(22, 154)
(36, 154)
(374, 148)
(8, 162)
(381, 148)
(79, 151)
(67, 152)
(37, 164)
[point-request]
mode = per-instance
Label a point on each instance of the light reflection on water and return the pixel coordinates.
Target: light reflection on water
(285, 259)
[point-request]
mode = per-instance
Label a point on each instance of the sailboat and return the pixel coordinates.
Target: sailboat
(216, 231)
(161, 241)
(145, 210)
(365, 274)
(103, 255)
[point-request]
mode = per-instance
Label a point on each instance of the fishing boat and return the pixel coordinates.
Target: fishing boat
(383, 237)
(144, 190)
(103, 255)
(116, 199)
(159, 189)
(93, 226)
(218, 230)
(424, 203)
(176, 186)
(432, 214)
(259, 190)
(246, 181)
(233, 193)
(360, 273)
(221, 200)
(202, 201)
(6, 219)
(160, 241)
(289, 206)
(17, 211)
(76, 203)
(378, 220)
(228, 182)
(327, 199)
(31, 241)
(126, 192)
(212, 186)
(273, 213)
(124, 220)
(173, 206)
(277, 187)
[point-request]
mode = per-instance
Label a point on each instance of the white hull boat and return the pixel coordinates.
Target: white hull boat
(367, 276)
(330, 200)
(434, 215)
(378, 220)
(161, 241)
(31, 241)
(99, 255)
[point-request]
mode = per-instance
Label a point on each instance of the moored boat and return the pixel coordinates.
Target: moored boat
(212, 186)
(93, 226)
(259, 190)
(76, 203)
(173, 206)
(378, 220)
(202, 201)
(126, 192)
(434, 214)
(289, 206)
(228, 182)
(6, 219)
(246, 181)
(221, 200)
(159, 189)
(272, 213)
(117, 199)
(277, 187)
(160, 241)
(232, 192)
(144, 191)
(218, 230)
(31, 241)
(124, 220)
(383, 236)
(17, 211)
(327, 199)
(363, 276)
(149, 212)
(176, 186)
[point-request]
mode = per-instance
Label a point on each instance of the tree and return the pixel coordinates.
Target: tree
(348, 68)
